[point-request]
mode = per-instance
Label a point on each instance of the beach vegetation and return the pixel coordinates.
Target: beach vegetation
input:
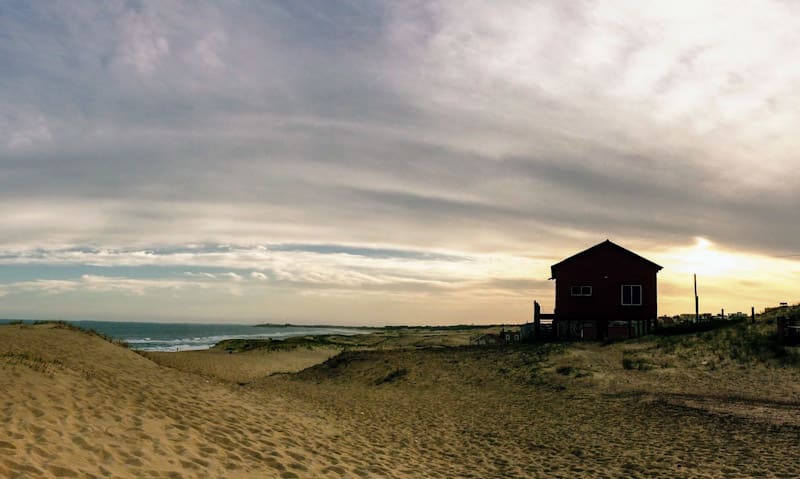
(392, 376)
(741, 341)
(635, 362)
(287, 344)
(67, 325)
(32, 361)
(573, 371)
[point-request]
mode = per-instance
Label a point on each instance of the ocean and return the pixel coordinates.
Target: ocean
(186, 337)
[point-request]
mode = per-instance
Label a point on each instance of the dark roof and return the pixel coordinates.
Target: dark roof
(607, 244)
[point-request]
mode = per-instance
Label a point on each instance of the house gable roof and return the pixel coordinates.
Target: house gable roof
(605, 245)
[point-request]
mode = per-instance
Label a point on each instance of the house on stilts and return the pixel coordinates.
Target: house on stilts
(604, 292)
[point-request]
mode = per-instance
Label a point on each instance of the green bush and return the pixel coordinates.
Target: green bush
(636, 364)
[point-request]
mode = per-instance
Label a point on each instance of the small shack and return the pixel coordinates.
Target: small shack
(506, 336)
(604, 292)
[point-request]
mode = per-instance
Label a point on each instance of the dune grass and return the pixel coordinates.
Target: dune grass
(67, 325)
(287, 344)
(740, 341)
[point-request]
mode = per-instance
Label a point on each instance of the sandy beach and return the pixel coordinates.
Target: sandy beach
(76, 405)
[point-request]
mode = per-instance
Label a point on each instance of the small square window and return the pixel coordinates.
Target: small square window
(580, 290)
(631, 295)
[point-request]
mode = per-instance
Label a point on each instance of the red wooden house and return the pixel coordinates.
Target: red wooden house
(604, 292)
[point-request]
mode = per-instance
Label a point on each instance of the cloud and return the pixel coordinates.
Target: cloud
(325, 266)
(99, 284)
(390, 144)
(143, 45)
(200, 275)
(47, 286)
(26, 131)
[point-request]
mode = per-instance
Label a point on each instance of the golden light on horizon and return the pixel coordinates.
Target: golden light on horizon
(703, 258)
(728, 279)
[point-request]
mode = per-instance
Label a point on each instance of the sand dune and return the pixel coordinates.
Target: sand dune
(243, 367)
(74, 405)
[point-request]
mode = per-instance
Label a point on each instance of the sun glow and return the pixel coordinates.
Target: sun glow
(728, 279)
(704, 259)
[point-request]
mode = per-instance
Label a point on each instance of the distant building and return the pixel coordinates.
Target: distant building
(510, 336)
(668, 320)
(504, 337)
(604, 292)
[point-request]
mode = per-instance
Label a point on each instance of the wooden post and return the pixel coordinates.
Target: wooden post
(696, 303)
(537, 310)
(722, 314)
(752, 315)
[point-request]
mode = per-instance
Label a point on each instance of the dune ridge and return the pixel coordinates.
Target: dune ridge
(75, 405)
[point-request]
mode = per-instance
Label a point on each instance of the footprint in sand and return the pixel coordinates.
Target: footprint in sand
(337, 469)
(59, 471)
(24, 469)
(81, 442)
(37, 412)
(296, 456)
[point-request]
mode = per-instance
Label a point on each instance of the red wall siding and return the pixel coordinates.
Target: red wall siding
(605, 270)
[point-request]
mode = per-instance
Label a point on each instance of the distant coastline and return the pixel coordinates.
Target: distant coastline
(325, 326)
(390, 327)
(170, 337)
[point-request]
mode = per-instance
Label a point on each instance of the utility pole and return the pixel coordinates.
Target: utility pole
(696, 303)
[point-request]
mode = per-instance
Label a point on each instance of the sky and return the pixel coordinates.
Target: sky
(384, 162)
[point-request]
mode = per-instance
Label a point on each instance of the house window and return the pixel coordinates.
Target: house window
(580, 290)
(631, 295)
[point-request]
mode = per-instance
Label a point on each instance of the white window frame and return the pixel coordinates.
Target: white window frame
(583, 290)
(622, 294)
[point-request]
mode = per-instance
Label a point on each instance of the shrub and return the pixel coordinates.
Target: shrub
(636, 363)
(574, 372)
(392, 376)
(565, 370)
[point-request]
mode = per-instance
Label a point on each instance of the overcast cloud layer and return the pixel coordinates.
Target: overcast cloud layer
(391, 161)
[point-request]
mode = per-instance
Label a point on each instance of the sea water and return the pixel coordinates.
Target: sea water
(190, 336)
